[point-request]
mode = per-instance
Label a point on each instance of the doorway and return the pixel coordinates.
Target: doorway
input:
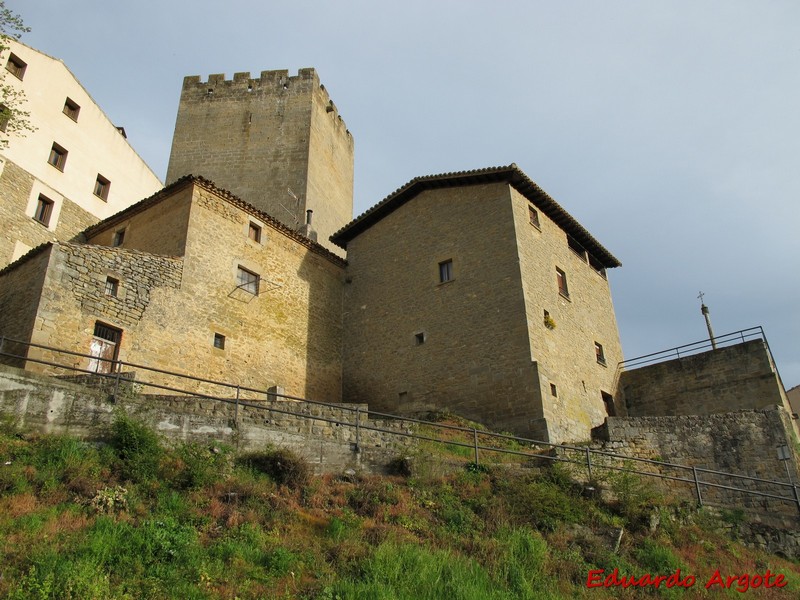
(104, 348)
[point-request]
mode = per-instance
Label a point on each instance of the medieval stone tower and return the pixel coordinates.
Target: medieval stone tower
(277, 142)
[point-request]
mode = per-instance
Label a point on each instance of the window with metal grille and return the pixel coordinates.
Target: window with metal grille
(106, 332)
(247, 280)
(44, 208)
(219, 341)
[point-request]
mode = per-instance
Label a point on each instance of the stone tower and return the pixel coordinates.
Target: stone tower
(277, 142)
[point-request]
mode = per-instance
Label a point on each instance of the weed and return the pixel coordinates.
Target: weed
(138, 448)
(283, 466)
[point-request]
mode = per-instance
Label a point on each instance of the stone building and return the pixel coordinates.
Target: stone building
(275, 141)
(75, 169)
(477, 293)
(794, 399)
(190, 280)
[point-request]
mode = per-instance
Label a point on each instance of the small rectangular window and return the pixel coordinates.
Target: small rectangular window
(71, 109)
(598, 351)
(44, 208)
(16, 66)
(219, 341)
(553, 390)
(5, 117)
(119, 238)
(101, 187)
(419, 338)
(577, 247)
(561, 277)
(58, 157)
(445, 271)
(112, 286)
(533, 215)
(254, 232)
(247, 280)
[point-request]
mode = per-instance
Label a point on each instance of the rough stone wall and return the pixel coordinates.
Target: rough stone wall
(169, 309)
(73, 296)
(723, 380)
(19, 192)
(565, 355)
(161, 229)
(256, 137)
(476, 358)
(743, 442)
(20, 291)
(289, 335)
(37, 403)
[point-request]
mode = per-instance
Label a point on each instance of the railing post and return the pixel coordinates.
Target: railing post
(358, 429)
(236, 409)
(697, 487)
(116, 383)
(475, 440)
(796, 497)
(589, 463)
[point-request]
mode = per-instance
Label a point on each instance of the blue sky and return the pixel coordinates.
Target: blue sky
(669, 129)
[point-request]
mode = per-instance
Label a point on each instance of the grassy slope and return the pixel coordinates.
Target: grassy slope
(131, 520)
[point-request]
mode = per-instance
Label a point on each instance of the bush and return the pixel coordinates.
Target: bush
(200, 466)
(283, 466)
(138, 448)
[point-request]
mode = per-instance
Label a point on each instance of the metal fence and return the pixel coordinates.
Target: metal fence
(481, 445)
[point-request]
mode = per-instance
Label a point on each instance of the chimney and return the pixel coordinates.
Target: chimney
(306, 229)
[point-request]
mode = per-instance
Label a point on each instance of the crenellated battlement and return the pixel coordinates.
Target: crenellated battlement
(268, 83)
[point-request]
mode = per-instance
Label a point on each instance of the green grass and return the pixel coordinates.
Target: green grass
(132, 519)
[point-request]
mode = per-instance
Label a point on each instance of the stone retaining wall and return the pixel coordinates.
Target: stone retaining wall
(39, 403)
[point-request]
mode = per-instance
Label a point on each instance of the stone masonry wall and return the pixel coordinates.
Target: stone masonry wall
(38, 403)
(472, 356)
(19, 192)
(261, 136)
(73, 297)
(743, 442)
(20, 290)
(565, 355)
(727, 379)
(169, 310)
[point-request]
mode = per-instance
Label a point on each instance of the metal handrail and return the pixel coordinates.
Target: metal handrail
(685, 350)
(587, 452)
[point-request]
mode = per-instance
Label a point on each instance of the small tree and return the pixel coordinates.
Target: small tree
(13, 119)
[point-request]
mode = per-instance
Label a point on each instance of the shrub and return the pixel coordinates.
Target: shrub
(200, 466)
(283, 466)
(138, 448)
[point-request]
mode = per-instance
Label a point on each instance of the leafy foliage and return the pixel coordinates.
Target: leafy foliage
(192, 524)
(15, 119)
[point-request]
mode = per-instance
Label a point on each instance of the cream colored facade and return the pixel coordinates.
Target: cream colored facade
(65, 117)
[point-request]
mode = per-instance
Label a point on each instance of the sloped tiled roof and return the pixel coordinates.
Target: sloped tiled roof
(510, 174)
